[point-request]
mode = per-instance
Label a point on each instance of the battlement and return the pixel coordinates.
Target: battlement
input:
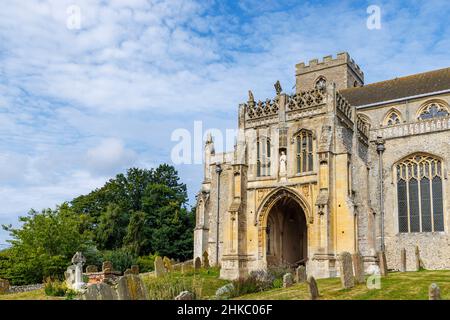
(328, 62)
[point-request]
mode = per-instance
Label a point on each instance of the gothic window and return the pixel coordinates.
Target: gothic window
(419, 194)
(321, 83)
(393, 118)
(263, 157)
(433, 110)
(304, 151)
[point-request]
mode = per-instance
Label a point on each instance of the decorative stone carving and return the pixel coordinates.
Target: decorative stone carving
(283, 167)
(78, 260)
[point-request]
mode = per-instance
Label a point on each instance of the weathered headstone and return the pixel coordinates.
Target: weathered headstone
(107, 267)
(99, 291)
(225, 291)
(205, 260)
(185, 295)
(159, 267)
(287, 280)
(382, 263)
(313, 289)
(417, 258)
(167, 264)
(78, 260)
(358, 266)
(91, 269)
(4, 286)
(70, 276)
(131, 287)
(434, 292)
(127, 272)
(403, 260)
(346, 270)
(197, 264)
(300, 274)
(135, 269)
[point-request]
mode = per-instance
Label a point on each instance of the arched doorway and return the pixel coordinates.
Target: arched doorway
(286, 234)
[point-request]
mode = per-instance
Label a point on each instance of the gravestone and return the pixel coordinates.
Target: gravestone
(403, 260)
(99, 291)
(313, 289)
(135, 269)
(78, 260)
(185, 295)
(205, 260)
(287, 280)
(131, 287)
(70, 276)
(382, 263)
(107, 267)
(91, 269)
(197, 264)
(417, 258)
(167, 264)
(434, 292)
(159, 267)
(358, 266)
(4, 286)
(127, 272)
(346, 270)
(300, 274)
(186, 267)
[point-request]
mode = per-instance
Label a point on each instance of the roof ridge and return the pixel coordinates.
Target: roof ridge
(396, 79)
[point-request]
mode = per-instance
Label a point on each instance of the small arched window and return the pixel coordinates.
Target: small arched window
(433, 109)
(392, 118)
(419, 194)
(321, 83)
(263, 157)
(304, 142)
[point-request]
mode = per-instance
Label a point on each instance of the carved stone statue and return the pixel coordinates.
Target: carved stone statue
(283, 160)
(278, 88)
(251, 98)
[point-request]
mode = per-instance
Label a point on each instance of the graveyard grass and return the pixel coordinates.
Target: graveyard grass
(396, 286)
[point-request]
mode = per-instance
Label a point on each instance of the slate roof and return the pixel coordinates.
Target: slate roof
(422, 83)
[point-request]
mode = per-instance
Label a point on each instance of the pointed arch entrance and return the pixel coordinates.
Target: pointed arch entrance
(283, 219)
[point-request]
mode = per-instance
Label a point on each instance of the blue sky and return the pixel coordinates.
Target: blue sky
(78, 106)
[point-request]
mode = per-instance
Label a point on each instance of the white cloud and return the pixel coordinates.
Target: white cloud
(139, 69)
(110, 157)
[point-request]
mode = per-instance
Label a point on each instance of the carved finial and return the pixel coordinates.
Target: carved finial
(278, 88)
(250, 96)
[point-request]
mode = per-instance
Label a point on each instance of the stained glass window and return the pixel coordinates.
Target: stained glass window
(419, 194)
(433, 110)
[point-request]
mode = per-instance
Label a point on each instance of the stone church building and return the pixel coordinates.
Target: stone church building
(337, 166)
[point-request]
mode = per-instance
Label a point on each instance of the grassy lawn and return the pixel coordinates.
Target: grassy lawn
(30, 295)
(204, 283)
(396, 286)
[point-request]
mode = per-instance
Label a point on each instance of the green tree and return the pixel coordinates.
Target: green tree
(44, 245)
